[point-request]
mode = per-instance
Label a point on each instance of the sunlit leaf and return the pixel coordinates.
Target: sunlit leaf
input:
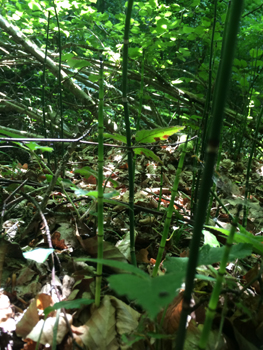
(39, 255)
(148, 153)
(159, 134)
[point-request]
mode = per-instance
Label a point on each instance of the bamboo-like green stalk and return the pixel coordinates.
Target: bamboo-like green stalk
(169, 211)
(43, 102)
(128, 130)
(100, 233)
(43, 81)
(244, 223)
(161, 190)
(204, 123)
(141, 95)
(59, 86)
(139, 113)
(214, 185)
(211, 310)
(219, 101)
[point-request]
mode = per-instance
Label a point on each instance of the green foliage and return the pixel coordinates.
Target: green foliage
(153, 294)
(72, 304)
(243, 237)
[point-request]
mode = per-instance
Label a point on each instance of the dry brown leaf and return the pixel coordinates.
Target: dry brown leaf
(172, 315)
(44, 300)
(109, 250)
(251, 275)
(107, 323)
(28, 321)
(48, 327)
(142, 256)
(101, 332)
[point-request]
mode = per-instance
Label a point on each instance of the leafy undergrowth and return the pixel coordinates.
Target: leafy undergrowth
(136, 311)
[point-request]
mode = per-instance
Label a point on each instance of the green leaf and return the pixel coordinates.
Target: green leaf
(87, 171)
(93, 77)
(114, 182)
(39, 255)
(188, 30)
(79, 192)
(210, 239)
(153, 3)
(209, 255)
(116, 137)
(148, 153)
(154, 135)
(135, 52)
(162, 25)
(79, 63)
(50, 177)
(72, 304)
(10, 134)
(243, 237)
(152, 294)
(33, 146)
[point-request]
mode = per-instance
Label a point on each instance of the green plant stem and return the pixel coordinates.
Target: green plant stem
(128, 130)
(249, 164)
(169, 212)
(100, 188)
(161, 190)
(219, 101)
(214, 185)
(211, 310)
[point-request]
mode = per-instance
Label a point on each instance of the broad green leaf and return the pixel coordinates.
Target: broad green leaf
(162, 25)
(116, 137)
(159, 134)
(50, 177)
(152, 294)
(135, 52)
(33, 146)
(79, 64)
(210, 255)
(66, 57)
(175, 264)
(93, 77)
(153, 3)
(210, 239)
(243, 237)
(39, 255)
(87, 171)
(10, 134)
(195, 3)
(187, 30)
(148, 153)
(72, 304)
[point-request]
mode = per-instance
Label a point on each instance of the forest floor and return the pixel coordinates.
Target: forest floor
(29, 286)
